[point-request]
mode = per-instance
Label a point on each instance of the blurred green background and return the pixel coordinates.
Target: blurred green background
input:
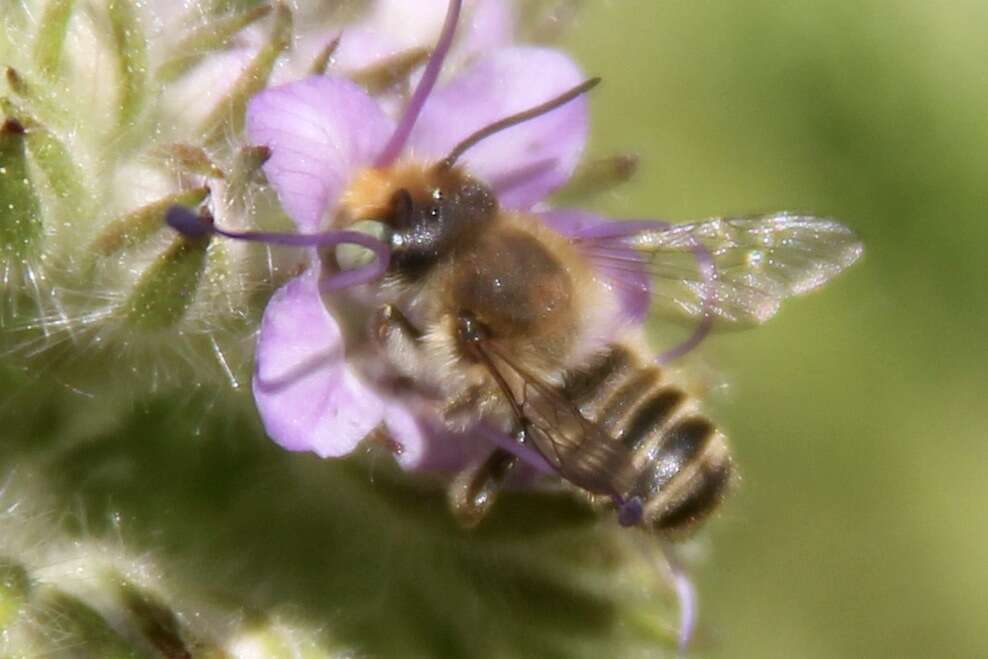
(859, 415)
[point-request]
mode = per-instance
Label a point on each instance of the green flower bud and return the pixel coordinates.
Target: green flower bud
(21, 230)
(131, 59)
(136, 227)
(54, 159)
(207, 38)
(228, 117)
(168, 287)
(49, 45)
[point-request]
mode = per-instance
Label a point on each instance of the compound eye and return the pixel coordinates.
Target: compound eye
(350, 256)
(402, 208)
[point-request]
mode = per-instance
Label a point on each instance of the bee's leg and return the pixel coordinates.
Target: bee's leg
(463, 403)
(474, 489)
(401, 343)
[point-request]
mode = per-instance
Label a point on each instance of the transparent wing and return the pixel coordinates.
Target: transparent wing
(737, 270)
(578, 449)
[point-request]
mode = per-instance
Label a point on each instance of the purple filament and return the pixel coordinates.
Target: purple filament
(708, 270)
(433, 67)
(189, 224)
(686, 596)
(525, 453)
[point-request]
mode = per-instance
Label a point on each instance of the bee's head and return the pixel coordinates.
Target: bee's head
(422, 212)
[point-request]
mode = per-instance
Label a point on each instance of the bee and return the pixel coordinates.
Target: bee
(527, 329)
(511, 323)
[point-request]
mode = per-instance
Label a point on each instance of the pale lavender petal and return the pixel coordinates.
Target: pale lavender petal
(423, 442)
(408, 432)
(320, 131)
(361, 47)
(487, 25)
(498, 85)
(632, 286)
(308, 398)
(398, 25)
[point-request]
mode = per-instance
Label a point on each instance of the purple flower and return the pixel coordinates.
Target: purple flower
(324, 132)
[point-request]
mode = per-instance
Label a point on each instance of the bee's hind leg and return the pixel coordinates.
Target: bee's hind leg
(474, 489)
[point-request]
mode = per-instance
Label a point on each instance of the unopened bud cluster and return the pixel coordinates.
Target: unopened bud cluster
(112, 113)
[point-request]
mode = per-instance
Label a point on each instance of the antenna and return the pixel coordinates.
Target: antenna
(516, 119)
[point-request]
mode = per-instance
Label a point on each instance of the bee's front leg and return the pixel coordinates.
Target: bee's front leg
(401, 343)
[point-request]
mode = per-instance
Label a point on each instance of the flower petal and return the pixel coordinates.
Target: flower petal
(320, 130)
(398, 25)
(427, 445)
(525, 162)
(488, 24)
(308, 398)
(631, 286)
(410, 434)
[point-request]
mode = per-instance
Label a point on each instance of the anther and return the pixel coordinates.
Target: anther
(188, 223)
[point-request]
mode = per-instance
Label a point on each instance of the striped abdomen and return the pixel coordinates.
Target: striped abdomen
(675, 461)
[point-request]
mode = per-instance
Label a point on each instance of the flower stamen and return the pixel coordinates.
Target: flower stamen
(434, 66)
(189, 224)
